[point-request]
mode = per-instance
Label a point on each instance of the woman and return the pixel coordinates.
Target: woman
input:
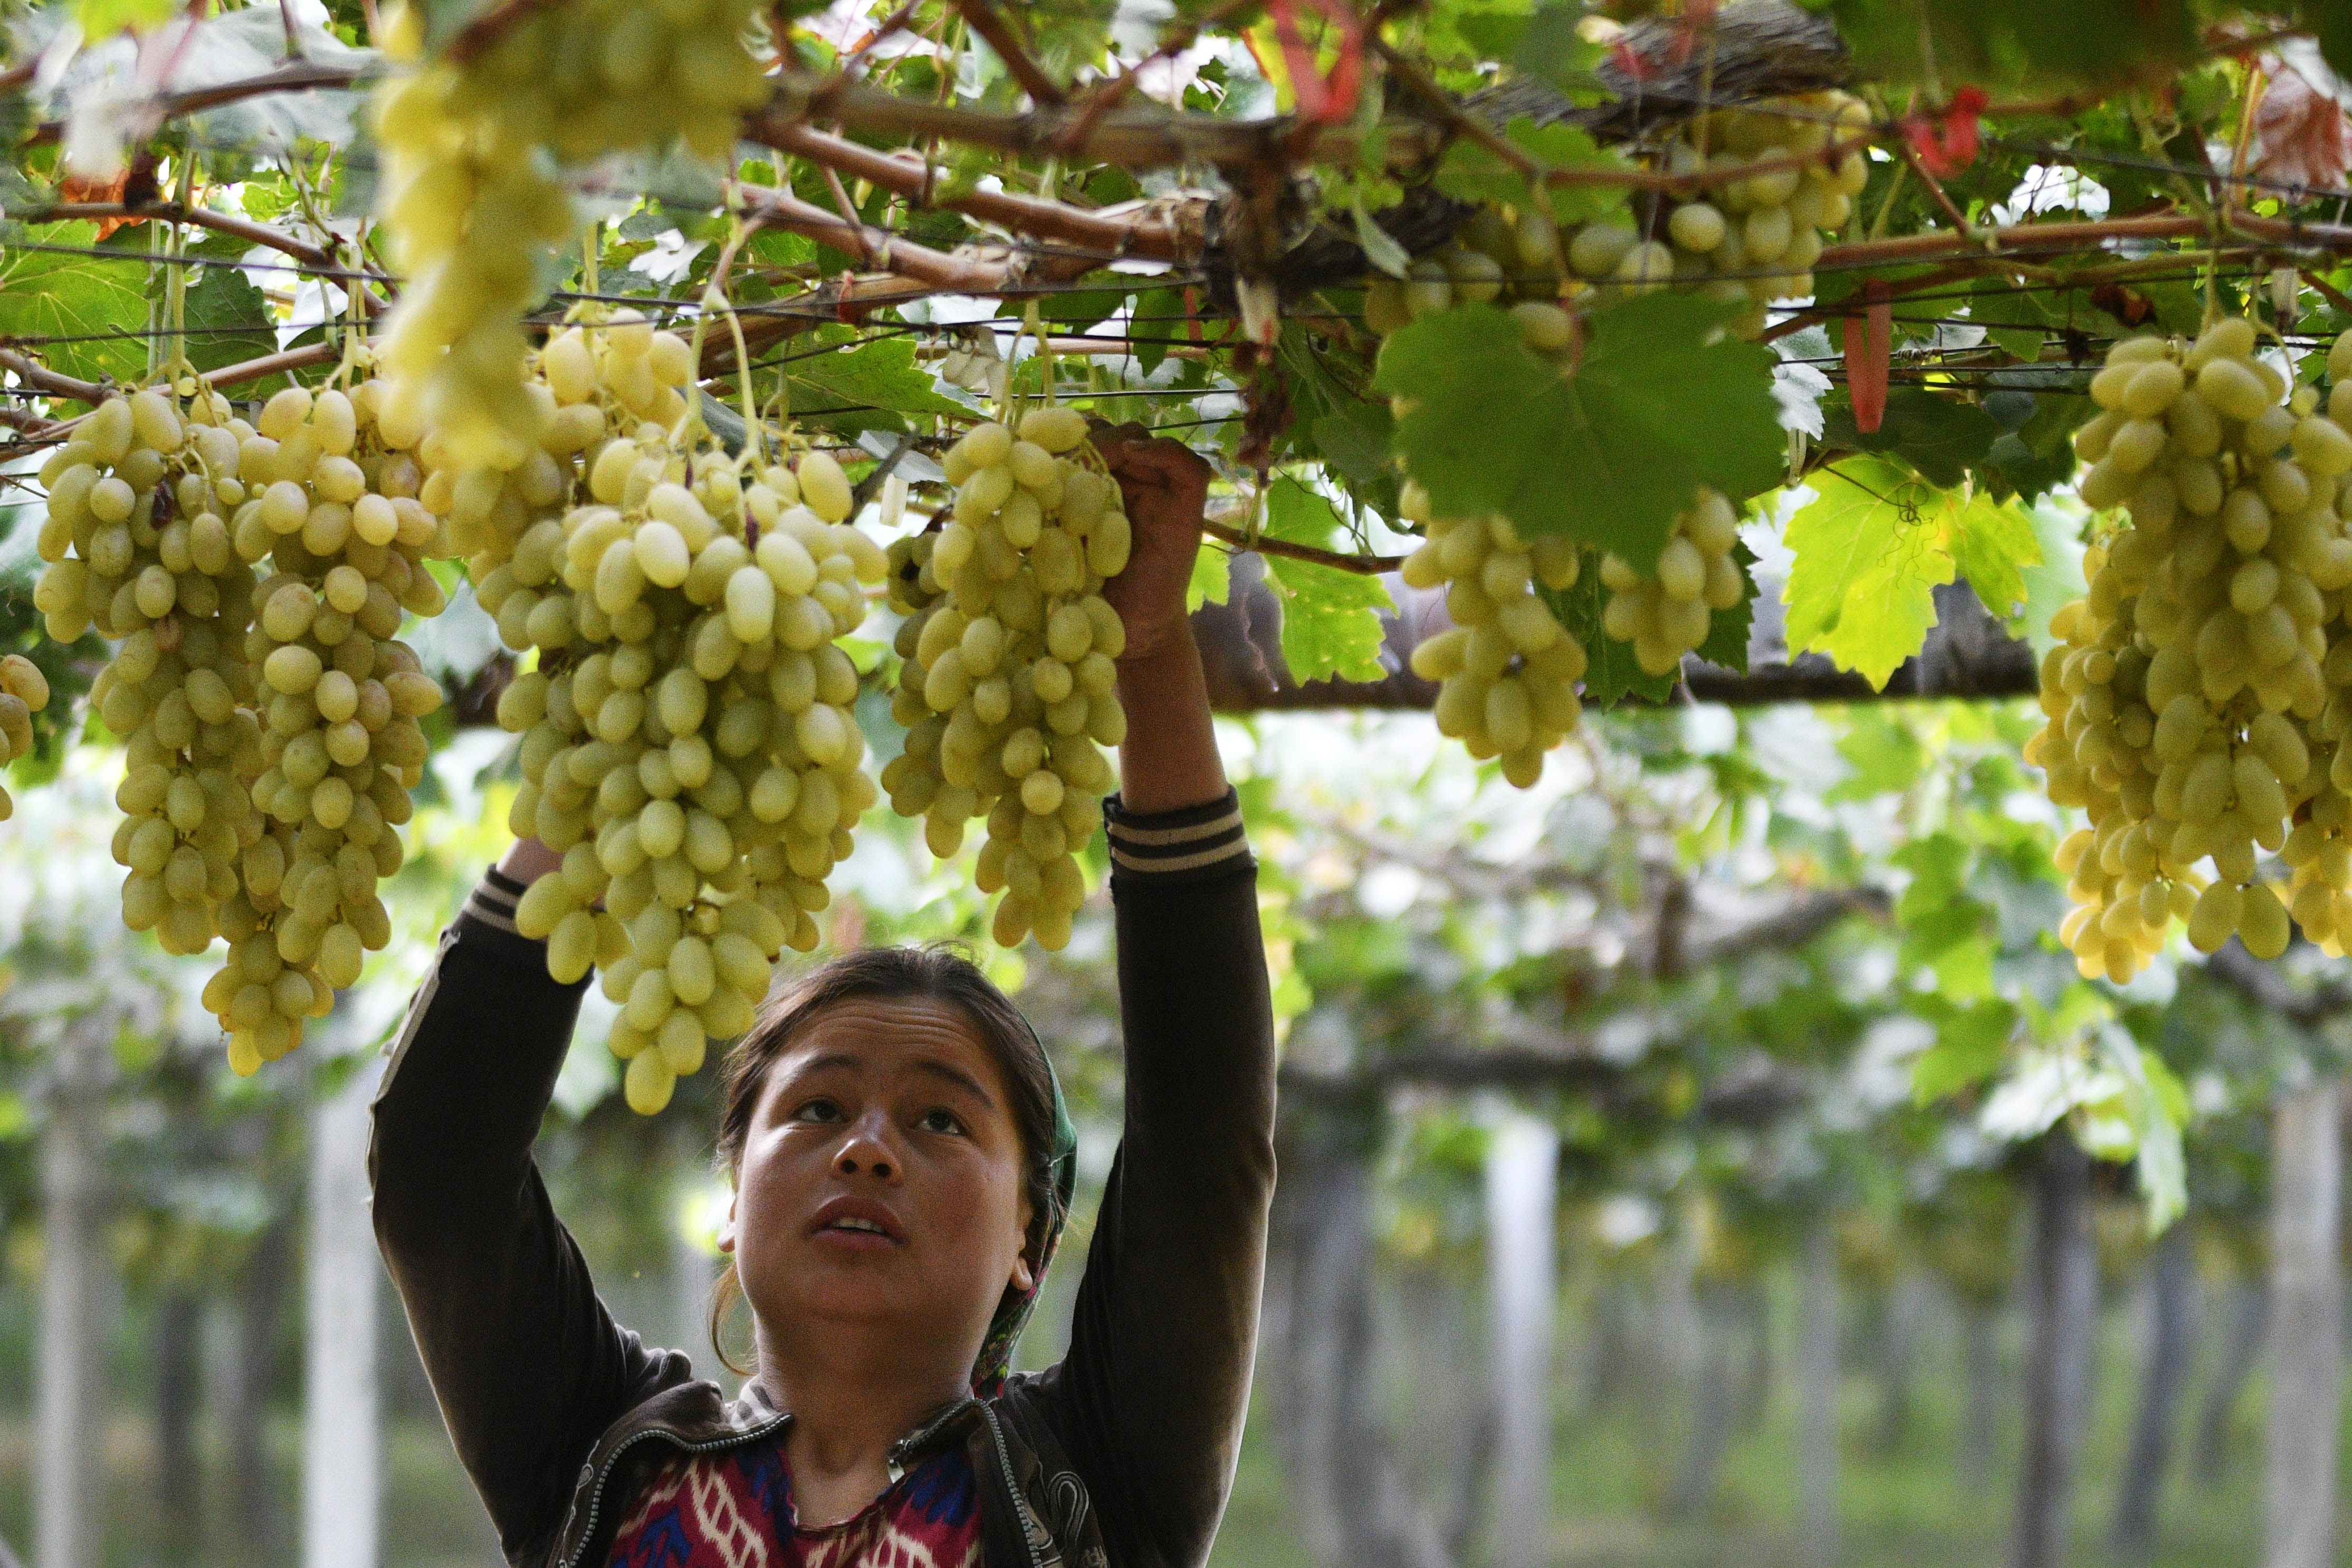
(901, 1167)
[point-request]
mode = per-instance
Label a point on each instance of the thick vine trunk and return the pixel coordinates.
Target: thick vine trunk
(2060, 1293)
(179, 1472)
(1980, 1358)
(1355, 1506)
(340, 1447)
(1817, 1403)
(2307, 1328)
(2171, 1300)
(70, 1398)
(2249, 1319)
(1521, 1192)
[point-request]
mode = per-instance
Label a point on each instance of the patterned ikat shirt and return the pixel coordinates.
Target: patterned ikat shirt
(733, 1509)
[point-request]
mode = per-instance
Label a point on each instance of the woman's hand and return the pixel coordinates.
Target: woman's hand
(527, 860)
(1169, 760)
(1166, 486)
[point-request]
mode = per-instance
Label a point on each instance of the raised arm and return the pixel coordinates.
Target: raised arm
(1156, 1380)
(526, 1364)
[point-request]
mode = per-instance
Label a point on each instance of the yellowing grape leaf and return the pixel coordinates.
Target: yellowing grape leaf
(1212, 572)
(1868, 554)
(100, 18)
(1659, 402)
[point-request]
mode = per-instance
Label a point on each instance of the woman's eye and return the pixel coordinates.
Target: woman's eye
(943, 1121)
(819, 1111)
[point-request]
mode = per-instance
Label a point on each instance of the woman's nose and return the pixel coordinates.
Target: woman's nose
(867, 1151)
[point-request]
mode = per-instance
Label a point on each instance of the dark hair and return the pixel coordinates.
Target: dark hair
(940, 972)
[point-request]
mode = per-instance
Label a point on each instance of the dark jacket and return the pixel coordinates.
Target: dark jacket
(1122, 1454)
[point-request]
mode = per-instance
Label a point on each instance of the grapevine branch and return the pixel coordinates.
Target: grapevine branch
(40, 378)
(1361, 565)
(171, 212)
(1160, 232)
(997, 33)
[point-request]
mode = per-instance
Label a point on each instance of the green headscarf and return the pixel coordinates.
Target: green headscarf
(1012, 1313)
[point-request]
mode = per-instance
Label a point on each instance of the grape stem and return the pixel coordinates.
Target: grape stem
(1240, 539)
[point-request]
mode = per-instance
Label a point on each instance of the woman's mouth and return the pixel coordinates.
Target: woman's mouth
(859, 1223)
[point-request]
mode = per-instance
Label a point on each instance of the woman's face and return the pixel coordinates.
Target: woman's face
(880, 1180)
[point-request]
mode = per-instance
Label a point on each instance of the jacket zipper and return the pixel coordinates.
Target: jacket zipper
(1004, 1467)
(596, 1492)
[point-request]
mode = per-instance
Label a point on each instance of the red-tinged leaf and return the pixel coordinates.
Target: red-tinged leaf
(1347, 77)
(1869, 353)
(75, 188)
(1947, 143)
(1321, 100)
(2305, 138)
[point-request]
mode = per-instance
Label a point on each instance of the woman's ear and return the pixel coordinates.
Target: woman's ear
(1023, 1278)
(727, 1226)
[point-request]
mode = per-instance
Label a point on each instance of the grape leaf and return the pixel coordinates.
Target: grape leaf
(1992, 543)
(1472, 173)
(1940, 436)
(1726, 632)
(2039, 455)
(103, 18)
(62, 295)
(1887, 757)
(1330, 620)
(1380, 247)
(1295, 512)
(1608, 452)
(228, 319)
(865, 385)
(2012, 43)
(1970, 1044)
(1212, 576)
(1868, 552)
(1611, 674)
(1079, 308)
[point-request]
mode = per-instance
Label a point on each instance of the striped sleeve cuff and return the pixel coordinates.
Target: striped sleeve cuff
(487, 921)
(1190, 844)
(492, 903)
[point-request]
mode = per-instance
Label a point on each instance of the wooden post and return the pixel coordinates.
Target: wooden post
(69, 1395)
(1521, 1197)
(340, 1444)
(2062, 1289)
(2306, 1327)
(1817, 1394)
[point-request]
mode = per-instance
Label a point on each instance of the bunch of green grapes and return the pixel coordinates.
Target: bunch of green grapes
(473, 204)
(138, 545)
(1010, 685)
(1666, 613)
(1749, 240)
(23, 692)
(689, 743)
(2191, 700)
(334, 529)
(1507, 671)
